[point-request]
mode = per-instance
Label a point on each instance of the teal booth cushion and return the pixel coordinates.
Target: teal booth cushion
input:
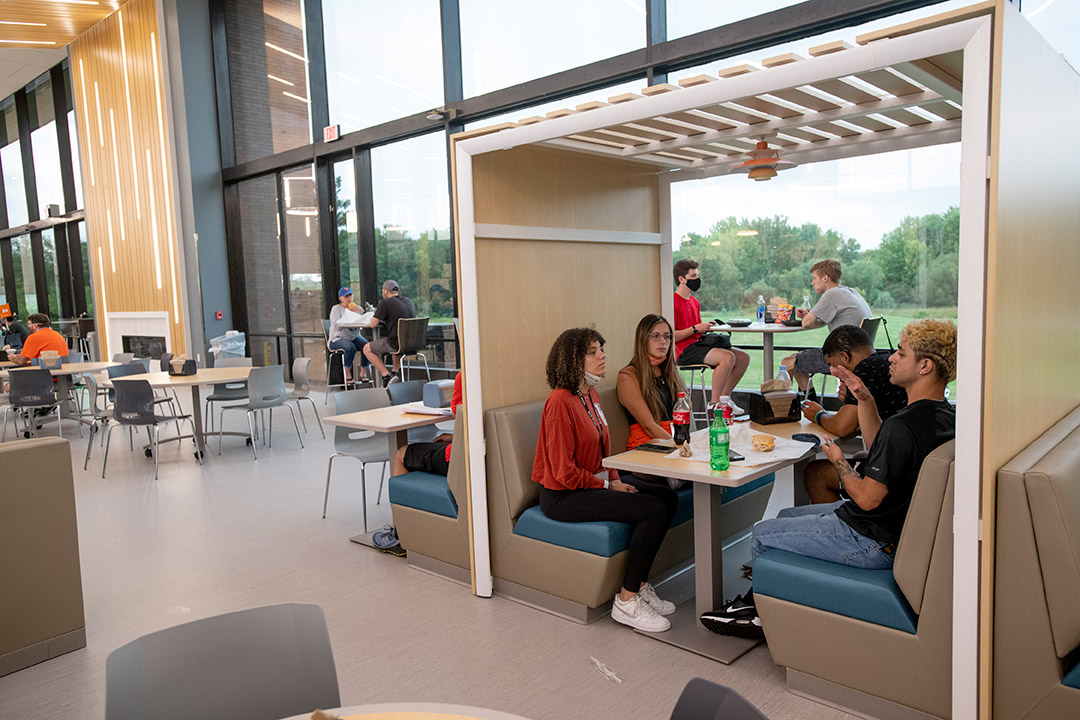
(1072, 678)
(870, 595)
(423, 491)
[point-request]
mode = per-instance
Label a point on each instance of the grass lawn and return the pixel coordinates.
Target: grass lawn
(894, 321)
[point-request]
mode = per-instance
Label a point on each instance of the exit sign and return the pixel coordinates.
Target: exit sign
(330, 133)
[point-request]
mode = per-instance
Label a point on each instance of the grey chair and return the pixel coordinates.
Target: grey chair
(267, 662)
(302, 391)
(226, 392)
(407, 392)
(100, 415)
(266, 391)
(144, 361)
(332, 356)
(124, 358)
(166, 358)
(704, 700)
(368, 449)
(412, 339)
(134, 407)
(31, 389)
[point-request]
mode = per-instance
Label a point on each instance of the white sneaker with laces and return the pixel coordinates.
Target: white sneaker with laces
(638, 614)
(662, 607)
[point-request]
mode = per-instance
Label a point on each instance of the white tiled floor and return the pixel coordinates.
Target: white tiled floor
(238, 533)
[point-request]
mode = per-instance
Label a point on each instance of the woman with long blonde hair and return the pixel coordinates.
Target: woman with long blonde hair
(649, 385)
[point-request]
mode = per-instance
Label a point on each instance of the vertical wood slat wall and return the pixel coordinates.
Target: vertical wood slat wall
(127, 176)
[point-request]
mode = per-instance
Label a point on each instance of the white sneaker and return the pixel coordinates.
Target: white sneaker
(662, 607)
(638, 614)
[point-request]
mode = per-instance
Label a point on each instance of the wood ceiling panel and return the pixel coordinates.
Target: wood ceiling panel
(906, 117)
(889, 82)
(844, 91)
(801, 97)
(56, 24)
(763, 105)
(709, 123)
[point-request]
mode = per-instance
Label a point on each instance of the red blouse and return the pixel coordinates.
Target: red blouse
(574, 439)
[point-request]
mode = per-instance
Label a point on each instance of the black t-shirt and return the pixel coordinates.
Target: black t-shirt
(895, 458)
(390, 311)
(874, 373)
(666, 401)
(15, 334)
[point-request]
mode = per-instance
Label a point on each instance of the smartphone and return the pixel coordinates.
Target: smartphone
(734, 456)
(653, 447)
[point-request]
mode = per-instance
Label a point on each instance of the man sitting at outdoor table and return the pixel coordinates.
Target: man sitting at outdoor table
(393, 307)
(863, 531)
(42, 337)
(838, 305)
(695, 346)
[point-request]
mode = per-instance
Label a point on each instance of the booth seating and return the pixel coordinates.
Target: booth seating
(41, 600)
(1037, 579)
(876, 642)
(429, 514)
(571, 569)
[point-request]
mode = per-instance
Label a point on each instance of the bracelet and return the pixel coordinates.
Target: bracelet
(817, 415)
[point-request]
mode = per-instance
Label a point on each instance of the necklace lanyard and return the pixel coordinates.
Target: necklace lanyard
(595, 421)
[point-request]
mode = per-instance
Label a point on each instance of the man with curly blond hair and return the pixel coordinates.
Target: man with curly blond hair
(863, 531)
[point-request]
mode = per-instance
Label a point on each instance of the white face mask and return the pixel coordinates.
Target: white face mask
(592, 380)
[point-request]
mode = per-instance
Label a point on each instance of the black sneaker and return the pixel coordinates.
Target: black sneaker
(396, 550)
(746, 626)
(740, 605)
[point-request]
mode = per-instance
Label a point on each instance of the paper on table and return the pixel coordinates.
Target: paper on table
(785, 449)
(422, 409)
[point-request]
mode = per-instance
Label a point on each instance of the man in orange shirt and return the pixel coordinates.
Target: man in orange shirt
(42, 337)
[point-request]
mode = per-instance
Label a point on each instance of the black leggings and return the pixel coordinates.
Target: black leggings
(649, 511)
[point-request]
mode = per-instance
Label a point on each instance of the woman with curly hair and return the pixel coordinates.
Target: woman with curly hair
(649, 385)
(575, 487)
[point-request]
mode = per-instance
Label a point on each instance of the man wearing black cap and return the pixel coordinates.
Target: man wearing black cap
(393, 307)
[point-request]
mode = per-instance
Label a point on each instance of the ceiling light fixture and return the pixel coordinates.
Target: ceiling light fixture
(290, 53)
(30, 42)
(16, 22)
(763, 163)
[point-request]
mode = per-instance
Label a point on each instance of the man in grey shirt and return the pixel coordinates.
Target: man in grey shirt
(837, 306)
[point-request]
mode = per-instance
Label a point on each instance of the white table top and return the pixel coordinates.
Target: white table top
(654, 463)
(415, 711)
(769, 328)
(205, 376)
(385, 419)
(68, 368)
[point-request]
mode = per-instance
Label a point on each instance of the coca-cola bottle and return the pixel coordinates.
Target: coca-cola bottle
(680, 420)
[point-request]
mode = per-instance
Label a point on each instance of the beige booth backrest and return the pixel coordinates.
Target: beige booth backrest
(931, 503)
(517, 428)
(1053, 490)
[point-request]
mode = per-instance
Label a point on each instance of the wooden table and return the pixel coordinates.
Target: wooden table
(415, 711)
(206, 376)
(767, 331)
(686, 631)
(392, 421)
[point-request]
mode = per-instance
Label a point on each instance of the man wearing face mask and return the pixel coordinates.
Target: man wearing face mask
(693, 346)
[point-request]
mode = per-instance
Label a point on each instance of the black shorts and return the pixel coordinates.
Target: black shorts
(427, 457)
(695, 354)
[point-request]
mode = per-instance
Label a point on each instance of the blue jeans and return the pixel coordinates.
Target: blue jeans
(816, 531)
(350, 348)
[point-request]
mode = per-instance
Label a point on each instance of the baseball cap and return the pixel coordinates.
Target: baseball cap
(342, 292)
(390, 285)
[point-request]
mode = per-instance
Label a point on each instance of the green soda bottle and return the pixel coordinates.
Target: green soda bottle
(719, 441)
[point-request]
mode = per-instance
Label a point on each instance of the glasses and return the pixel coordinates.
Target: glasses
(660, 336)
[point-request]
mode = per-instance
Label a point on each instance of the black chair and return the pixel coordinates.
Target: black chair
(412, 338)
(134, 407)
(32, 389)
(267, 662)
(704, 700)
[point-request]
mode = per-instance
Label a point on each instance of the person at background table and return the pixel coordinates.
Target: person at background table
(693, 346)
(575, 487)
(837, 305)
(348, 340)
(15, 333)
(392, 308)
(864, 530)
(430, 457)
(41, 338)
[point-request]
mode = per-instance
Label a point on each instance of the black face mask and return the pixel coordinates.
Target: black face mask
(694, 284)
